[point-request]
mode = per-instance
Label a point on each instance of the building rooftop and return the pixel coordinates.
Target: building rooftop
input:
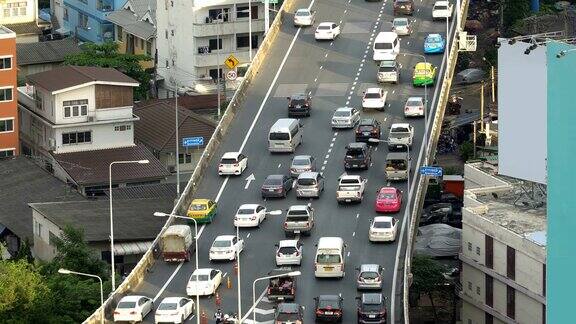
(24, 182)
(28, 28)
(69, 76)
(6, 32)
(519, 206)
(137, 17)
(133, 218)
(46, 52)
(91, 167)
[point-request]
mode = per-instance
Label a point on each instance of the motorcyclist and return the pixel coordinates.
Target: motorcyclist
(219, 316)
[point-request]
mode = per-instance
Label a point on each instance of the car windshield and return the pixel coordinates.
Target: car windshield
(221, 243)
(355, 153)
(434, 39)
(202, 277)
(302, 13)
(369, 275)
(386, 68)
(298, 102)
(306, 182)
(168, 306)
(383, 46)
(279, 136)
(324, 27)
(414, 103)
(245, 211)
(366, 128)
(126, 304)
(400, 130)
(440, 7)
(297, 212)
(328, 258)
(301, 161)
(342, 113)
(423, 72)
(400, 22)
(228, 161)
(349, 181)
(272, 182)
(369, 306)
(287, 250)
(328, 303)
(383, 224)
(198, 207)
(372, 95)
(387, 195)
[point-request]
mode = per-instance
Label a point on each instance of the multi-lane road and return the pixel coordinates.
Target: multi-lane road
(334, 74)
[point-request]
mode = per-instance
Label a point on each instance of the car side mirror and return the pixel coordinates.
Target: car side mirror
(316, 298)
(345, 245)
(357, 298)
(357, 269)
(276, 245)
(288, 98)
(316, 244)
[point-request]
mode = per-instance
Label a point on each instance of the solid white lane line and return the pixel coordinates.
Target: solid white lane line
(168, 281)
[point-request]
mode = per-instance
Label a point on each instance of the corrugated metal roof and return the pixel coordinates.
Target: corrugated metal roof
(25, 28)
(45, 52)
(133, 17)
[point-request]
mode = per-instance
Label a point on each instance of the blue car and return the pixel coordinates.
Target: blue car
(434, 44)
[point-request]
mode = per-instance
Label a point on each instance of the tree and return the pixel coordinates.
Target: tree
(106, 55)
(515, 10)
(428, 276)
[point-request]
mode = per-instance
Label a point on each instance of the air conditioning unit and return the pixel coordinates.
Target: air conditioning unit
(52, 143)
(91, 118)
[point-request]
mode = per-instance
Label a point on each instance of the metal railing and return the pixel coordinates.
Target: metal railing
(430, 153)
(139, 272)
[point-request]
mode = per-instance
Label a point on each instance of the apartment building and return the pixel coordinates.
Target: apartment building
(192, 38)
(87, 19)
(503, 278)
(8, 96)
(21, 16)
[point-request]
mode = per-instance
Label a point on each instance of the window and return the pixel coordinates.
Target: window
(510, 263)
(469, 246)
(214, 74)
(172, 32)
(469, 285)
(7, 153)
(65, 13)
(478, 290)
(15, 9)
(6, 94)
(122, 128)
(478, 250)
(82, 20)
(149, 48)
(510, 302)
(488, 319)
(119, 33)
(166, 34)
(214, 43)
(7, 125)
(242, 12)
(76, 138)
(6, 63)
(242, 41)
(254, 12)
(215, 14)
(184, 158)
(489, 296)
(75, 108)
(38, 229)
(489, 251)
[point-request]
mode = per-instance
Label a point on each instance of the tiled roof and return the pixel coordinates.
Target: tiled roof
(25, 28)
(133, 17)
(46, 52)
(133, 218)
(69, 76)
(91, 167)
(156, 125)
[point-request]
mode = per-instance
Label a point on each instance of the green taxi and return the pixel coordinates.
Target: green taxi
(424, 74)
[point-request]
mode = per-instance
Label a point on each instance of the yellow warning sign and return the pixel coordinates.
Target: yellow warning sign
(231, 62)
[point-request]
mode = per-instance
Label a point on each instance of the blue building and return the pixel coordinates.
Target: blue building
(88, 18)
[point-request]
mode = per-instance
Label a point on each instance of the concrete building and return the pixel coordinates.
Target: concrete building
(193, 38)
(135, 28)
(8, 97)
(21, 16)
(87, 18)
(503, 278)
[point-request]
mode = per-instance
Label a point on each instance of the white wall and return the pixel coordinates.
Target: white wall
(87, 92)
(31, 12)
(103, 137)
(42, 248)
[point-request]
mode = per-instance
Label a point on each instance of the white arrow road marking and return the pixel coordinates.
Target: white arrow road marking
(249, 179)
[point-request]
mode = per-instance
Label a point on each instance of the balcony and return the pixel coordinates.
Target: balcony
(104, 5)
(211, 59)
(214, 28)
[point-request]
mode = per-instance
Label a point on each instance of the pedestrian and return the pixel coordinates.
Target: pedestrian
(219, 316)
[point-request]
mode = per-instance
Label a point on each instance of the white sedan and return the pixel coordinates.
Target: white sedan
(345, 117)
(401, 26)
(225, 247)
(383, 229)
(132, 309)
(204, 282)
(232, 163)
(250, 215)
(174, 310)
(374, 98)
(289, 252)
(414, 107)
(304, 17)
(327, 31)
(442, 10)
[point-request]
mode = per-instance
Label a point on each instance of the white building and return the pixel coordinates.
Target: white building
(188, 33)
(21, 16)
(503, 278)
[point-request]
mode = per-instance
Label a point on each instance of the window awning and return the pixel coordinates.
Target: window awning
(132, 248)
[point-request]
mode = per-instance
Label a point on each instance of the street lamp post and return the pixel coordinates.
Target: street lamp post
(249, 34)
(160, 214)
(112, 216)
(425, 97)
(66, 271)
(289, 274)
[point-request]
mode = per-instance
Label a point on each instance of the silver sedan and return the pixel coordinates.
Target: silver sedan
(301, 164)
(345, 117)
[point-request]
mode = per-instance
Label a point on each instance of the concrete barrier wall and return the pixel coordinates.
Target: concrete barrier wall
(139, 272)
(430, 153)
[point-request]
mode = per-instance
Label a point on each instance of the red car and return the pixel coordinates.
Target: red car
(388, 200)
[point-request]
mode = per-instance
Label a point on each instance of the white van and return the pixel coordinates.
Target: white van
(285, 135)
(386, 46)
(330, 257)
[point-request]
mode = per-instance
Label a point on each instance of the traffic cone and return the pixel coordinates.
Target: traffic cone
(228, 282)
(203, 318)
(217, 299)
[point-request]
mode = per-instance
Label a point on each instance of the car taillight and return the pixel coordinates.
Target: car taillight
(297, 253)
(374, 131)
(319, 312)
(116, 313)
(269, 290)
(357, 194)
(235, 218)
(285, 225)
(236, 164)
(421, 108)
(406, 108)
(220, 165)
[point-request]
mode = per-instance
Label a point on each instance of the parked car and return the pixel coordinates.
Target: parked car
(368, 128)
(289, 313)
(414, 107)
(226, 247)
(372, 309)
(424, 74)
(402, 26)
(388, 200)
(369, 276)
(442, 10)
(405, 7)
(203, 210)
(174, 310)
(276, 186)
(329, 308)
(345, 117)
(304, 17)
(133, 309)
(301, 164)
(204, 282)
(309, 184)
(374, 98)
(299, 105)
(358, 156)
(299, 220)
(469, 76)
(327, 31)
(443, 213)
(289, 252)
(438, 241)
(383, 229)
(434, 44)
(249, 215)
(281, 288)
(232, 163)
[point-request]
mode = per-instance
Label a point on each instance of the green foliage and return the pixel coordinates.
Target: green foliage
(466, 150)
(106, 55)
(428, 274)
(25, 253)
(515, 10)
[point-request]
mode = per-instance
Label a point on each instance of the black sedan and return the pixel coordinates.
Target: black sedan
(329, 308)
(372, 308)
(277, 186)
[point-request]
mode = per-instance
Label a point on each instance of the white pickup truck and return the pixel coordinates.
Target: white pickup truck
(401, 134)
(350, 188)
(304, 17)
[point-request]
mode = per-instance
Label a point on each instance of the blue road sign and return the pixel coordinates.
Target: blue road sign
(431, 171)
(193, 141)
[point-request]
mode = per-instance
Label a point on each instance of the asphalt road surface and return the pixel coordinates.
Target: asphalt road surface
(335, 74)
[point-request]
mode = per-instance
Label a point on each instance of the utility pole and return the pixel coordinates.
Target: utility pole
(482, 107)
(474, 138)
(493, 84)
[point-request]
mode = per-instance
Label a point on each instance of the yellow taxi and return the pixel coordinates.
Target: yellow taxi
(202, 210)
(424, 74)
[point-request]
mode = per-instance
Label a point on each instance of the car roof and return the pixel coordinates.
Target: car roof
(385, 37)
(303, 9)
(288, 307)
(329, 242)
(298, 207)
(434, 35)
(284, 243)
(301, 157)
(397, 156)
(200, 201)
(372, 298)
(369, 267)
(357, 145)
(201, 271)
(415, 98)
(248, 206)
(350, 176)
(224, 237)
(344, 109)
(373, 90)
(382, 219)
(275, 176)
(401, 19)
(230, 155)
(326, 23)
(441, 2)
(131, 298)
(328, 297)
(308, 175)
(367, 121)
(423, 66)
(171, 300)
(406, 125)
(387, 189)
